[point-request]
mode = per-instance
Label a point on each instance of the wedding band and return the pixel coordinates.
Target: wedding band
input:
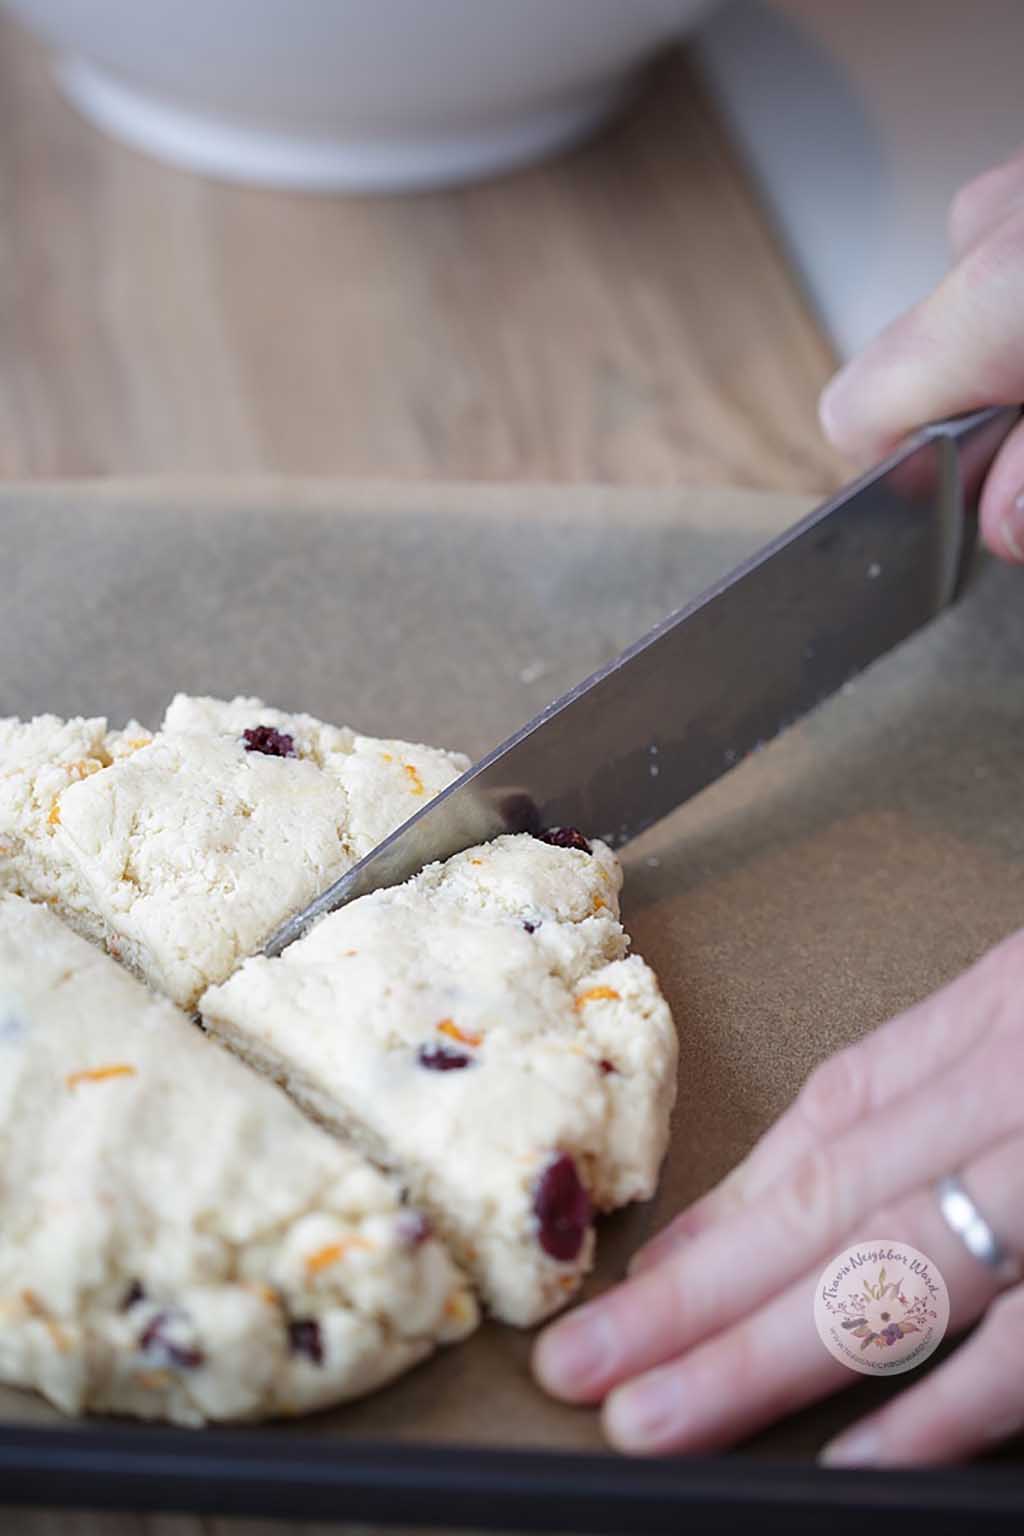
(965, 1219)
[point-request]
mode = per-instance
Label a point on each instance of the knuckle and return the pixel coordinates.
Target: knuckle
(663, 1288)
(744, 1367)
(977, 306)
(984, 271)
(969, 204)
(809, 1206)
(1001, 977)
(986, 201)
(836, 1093)
(890, 1222)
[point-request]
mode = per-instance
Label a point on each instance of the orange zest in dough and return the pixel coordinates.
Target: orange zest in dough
(35, 1308)
(330, 1253)
(99, 1074)
(85, 767)
(458, 1307)
(599, 902)
(58, 1338)
(597, 994)
(418, 787)
(264, 1292)
(463, 1036)
(476, 861)
(386, 757)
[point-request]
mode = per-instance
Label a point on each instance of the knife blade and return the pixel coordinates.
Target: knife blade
(723, 674)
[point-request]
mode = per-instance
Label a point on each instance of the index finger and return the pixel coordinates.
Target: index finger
(709, 1284)
(844, 1089)
(984, 202)
(962, 347)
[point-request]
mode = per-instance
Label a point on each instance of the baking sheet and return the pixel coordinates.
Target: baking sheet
(845, 870)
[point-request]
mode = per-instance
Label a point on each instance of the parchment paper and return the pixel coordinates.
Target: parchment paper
(844, 871)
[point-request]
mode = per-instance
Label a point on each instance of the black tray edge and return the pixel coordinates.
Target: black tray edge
(298, 1478)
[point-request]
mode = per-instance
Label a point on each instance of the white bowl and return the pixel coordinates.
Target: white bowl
(352, 95)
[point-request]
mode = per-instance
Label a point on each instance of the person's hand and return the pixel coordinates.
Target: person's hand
(961, 348)
(702, 1347)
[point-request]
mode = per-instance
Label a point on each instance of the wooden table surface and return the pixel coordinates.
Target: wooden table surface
(623, 314)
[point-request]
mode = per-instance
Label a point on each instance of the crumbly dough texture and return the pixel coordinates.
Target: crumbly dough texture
(176, 1239)
(511, 955)
(182, 851)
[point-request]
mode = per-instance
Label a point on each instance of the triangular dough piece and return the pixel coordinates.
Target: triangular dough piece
(183, 851)
(176, 1239)
(480, 1030)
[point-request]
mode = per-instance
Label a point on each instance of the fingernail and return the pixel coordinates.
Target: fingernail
(1011, 529)
(646, 1414)
(857, 1447)
(575, 1352)
(832, 403)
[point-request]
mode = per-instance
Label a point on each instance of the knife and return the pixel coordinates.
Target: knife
(722, 675)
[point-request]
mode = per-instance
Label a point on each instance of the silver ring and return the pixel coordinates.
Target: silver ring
(963, 1216)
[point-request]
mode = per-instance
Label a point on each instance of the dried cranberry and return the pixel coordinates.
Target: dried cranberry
(305, 1338)
(414, 1228)
(132, 1296)
(531, 927)
(566, 837)
(263, 738)
(154, 1341)
(562, 1207)
(607, 1066)
(438, 1058)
